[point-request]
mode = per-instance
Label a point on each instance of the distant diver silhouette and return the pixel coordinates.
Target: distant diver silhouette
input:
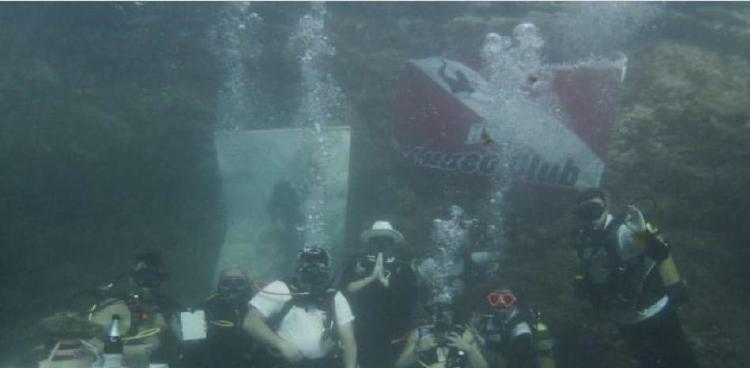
(285, 204)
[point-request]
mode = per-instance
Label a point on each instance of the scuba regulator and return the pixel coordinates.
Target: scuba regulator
(313, 271)
(442, 316)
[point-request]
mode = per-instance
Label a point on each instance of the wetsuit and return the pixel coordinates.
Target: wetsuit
(620, 279)
(383, 314)
(226, 345)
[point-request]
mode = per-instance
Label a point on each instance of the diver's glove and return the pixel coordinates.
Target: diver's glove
(657, 250)
(656, 247)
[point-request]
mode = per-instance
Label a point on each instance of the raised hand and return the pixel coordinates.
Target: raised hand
(425, 343)
(459, 342)
(379, 273)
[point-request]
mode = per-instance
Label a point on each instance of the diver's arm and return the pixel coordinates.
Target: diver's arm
(160, 322)
(468, 344)
(476, 358)
(408, 357)
(256, 326)
(348, 345)
(360, 284)
(378, 273)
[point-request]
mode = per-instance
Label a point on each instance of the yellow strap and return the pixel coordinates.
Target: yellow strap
(143, 334)
(222, 323)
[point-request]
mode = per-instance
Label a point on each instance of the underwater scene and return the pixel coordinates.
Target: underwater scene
(374, 184)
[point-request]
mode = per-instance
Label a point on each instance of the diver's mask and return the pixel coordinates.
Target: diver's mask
(147, 278)
(443, 317)
(144, 283)
(313, 269)
(591, 210)
(380, 245)
(235, 289)
(502, 303)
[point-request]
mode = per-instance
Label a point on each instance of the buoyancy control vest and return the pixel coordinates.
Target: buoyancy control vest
(498, 335)
(452, 357)
(139, 315)
(226, 338)
(615, 282)
(523, 340)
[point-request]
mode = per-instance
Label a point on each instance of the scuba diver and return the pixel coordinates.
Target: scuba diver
(628, 273)
(145, 315)
(279, 239)
(226, 344)
(302, 321)
(511, 332)
(443, 343)
(284, 204)
(381, 287)
(284, 208)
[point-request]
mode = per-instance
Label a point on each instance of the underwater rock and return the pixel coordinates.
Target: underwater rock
(684, 136)
(680, 75)
(715, 27)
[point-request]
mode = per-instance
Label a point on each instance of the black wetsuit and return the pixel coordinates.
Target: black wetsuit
(226, 345)
(383, 314)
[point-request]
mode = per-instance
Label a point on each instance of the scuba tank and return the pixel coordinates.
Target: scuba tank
(658, 249)
(667, 268)
(113, 345)
(544, 343)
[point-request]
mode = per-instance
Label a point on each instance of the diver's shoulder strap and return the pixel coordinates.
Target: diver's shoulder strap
(610, 230)
(611, 242)
(274, 321)
(327, 305)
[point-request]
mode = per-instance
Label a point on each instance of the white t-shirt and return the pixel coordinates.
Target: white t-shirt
(302, 328)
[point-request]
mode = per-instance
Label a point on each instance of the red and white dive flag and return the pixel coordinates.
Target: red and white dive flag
(553, 129)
